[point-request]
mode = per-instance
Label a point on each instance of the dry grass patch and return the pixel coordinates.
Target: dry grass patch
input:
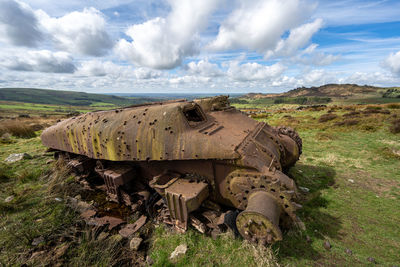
(395, 127)
(17, 129)
(347, 123)
(393, 106)
(327, 117)
(351, 114)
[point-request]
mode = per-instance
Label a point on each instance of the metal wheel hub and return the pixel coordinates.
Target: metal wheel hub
(260, 221)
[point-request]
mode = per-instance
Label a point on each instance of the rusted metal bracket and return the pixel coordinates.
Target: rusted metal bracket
(182, 196)
(114, 178)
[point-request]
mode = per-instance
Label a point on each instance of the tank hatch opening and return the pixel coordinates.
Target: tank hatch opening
(194, 115)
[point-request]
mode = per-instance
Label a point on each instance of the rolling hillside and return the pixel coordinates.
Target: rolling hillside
(329, 90)
(56, 97)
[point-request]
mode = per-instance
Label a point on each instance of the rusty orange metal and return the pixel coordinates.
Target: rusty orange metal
(233, 159)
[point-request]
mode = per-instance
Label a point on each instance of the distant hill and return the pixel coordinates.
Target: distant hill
(56, 97)
(328, 90)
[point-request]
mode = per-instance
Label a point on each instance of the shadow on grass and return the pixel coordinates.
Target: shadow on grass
(319, 225)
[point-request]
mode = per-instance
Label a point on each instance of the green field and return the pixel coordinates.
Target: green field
(57, 97)
(350, 164)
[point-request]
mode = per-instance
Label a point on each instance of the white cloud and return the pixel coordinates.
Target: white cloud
(259, 24)
(356, 12)
(78, 32)
(96, 68)
(99, 68)
(371, 78)
(39, 61)
(18, 24)
(254, 71)
(317, 77)
(296, 40)
(392, 62)
(203, 68)
(189, 79)
(146, 73)
(310, 56)
(162, 43)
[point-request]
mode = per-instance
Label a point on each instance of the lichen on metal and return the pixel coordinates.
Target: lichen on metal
(232, 159)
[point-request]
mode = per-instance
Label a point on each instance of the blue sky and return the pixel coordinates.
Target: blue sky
(218, 46)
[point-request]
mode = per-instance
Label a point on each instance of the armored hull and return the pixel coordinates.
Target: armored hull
(189, 152)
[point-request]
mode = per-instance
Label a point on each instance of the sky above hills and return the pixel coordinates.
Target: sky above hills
(139, 46)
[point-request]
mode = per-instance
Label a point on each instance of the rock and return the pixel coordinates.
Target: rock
(58, 199)
(36, 241)
(327, 245)
(9, 199)
(135, 243)
(179, 250)
(348, 251)
(304, 189)
(17, 157)
(351, 181)
(149, 260)
(370, 259)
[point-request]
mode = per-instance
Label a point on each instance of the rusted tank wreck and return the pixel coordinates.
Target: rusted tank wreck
(190, 152)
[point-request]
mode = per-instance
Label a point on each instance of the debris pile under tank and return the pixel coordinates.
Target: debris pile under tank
(143, 207)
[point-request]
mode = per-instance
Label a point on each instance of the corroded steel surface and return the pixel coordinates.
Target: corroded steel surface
(151, 132)
(234, 160)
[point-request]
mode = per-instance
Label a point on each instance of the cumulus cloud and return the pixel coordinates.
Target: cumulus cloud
(259, 24)
(189, 79)
(203, 68)
(372, 78)
(392, 62)
(310, 56)
(78, 32)
(162, 43)
(146, 73)
(95, 68)
(254, 71)
(297, 39)
(40, 61)
(317, 77)
(18, 24)
(99, 68)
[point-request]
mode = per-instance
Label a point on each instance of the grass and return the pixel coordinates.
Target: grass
(17, 129)
(39, 211)
(204, 251)
(41, 108)
(352, 173)
(57, 97)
